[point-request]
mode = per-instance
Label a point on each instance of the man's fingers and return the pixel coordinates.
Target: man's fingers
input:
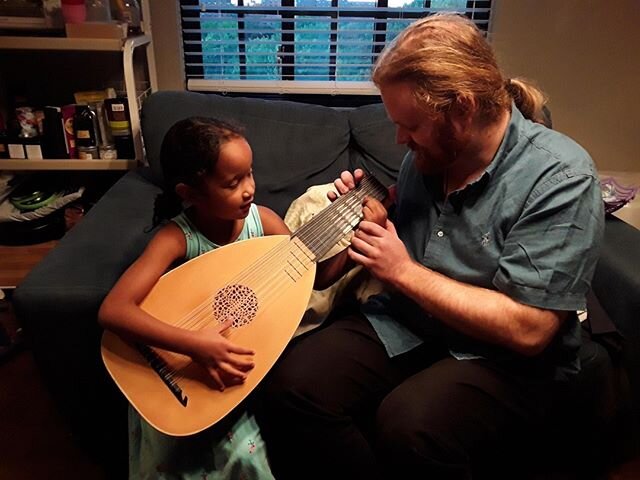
(348, 180)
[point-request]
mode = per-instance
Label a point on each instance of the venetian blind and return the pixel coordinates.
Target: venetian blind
(298, 46)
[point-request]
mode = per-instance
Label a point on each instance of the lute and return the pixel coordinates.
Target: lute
(263, 284)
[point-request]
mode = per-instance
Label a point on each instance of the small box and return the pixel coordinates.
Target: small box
(113, 30)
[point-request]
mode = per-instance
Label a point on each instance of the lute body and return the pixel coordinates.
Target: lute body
(263, 284)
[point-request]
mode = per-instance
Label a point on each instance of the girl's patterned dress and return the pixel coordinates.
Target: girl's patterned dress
(231, 449)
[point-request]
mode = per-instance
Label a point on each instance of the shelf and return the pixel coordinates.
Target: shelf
(66, 164)
(64, 43)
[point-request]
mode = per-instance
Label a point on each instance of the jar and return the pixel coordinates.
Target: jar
(88, 153)
(108, 152)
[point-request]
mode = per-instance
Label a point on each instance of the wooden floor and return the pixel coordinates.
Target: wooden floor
(16, 262)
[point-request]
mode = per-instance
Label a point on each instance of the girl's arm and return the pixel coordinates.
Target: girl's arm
(333, 268)
(121, 312)
(272, 224)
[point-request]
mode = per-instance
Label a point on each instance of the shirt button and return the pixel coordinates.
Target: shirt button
(440, 233)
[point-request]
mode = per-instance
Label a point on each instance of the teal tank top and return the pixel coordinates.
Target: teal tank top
(197, 243)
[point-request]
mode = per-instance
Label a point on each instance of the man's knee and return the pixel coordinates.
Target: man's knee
(405, 432)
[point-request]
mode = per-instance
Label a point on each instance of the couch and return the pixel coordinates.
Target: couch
(295, 146)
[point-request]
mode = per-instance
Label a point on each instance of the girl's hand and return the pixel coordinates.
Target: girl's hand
(374, 211)
(226, 362)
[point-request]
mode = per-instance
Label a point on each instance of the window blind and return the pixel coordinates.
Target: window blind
(298, 46)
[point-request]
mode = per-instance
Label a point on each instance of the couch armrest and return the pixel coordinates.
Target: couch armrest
(83, 267)
(616, 283)
(58, 303)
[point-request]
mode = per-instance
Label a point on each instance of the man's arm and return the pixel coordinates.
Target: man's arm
(484, 314)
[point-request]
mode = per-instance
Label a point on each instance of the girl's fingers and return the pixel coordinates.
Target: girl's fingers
(229, 369)
(241, 363)
(233, 348)
(216, 378)
(228, 323)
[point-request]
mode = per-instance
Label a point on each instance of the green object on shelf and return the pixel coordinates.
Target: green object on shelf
(34, 200)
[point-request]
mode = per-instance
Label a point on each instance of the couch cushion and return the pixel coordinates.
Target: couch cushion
(295, 145)
(374, 145)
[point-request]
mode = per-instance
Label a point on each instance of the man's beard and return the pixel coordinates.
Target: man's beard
(439, 156)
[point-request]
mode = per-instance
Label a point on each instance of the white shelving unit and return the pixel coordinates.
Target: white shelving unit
(127, 48)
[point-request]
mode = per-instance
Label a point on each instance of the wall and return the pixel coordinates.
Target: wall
(167, 44)
(584, 53)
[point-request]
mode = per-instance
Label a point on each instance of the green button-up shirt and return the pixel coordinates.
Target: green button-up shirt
(530, 227)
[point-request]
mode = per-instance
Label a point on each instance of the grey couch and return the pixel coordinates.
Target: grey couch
(295, 146)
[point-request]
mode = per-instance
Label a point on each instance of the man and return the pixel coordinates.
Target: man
(490, 253)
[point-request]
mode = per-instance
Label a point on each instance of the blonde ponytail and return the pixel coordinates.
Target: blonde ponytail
(529, 99)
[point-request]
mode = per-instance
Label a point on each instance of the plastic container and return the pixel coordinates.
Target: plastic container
(74, 11)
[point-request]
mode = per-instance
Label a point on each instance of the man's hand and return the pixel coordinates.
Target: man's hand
(346, 182)
(379, 250)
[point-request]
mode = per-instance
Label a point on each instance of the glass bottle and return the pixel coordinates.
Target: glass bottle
(84, 125)
(98, 11)
(129, 13)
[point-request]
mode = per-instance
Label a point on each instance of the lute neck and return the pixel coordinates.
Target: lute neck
(329, 226)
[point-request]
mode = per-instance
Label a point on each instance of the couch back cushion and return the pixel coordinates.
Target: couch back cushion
(374, 146)
(295, 145)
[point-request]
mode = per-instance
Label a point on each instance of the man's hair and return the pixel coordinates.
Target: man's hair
(451, 63)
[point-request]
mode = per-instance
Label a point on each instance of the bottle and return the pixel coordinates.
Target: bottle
(98, 11)
(120, 126)
(129, 13)
(84, 126)
(53, 136)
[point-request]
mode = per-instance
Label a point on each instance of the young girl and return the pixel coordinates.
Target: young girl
(207, 165)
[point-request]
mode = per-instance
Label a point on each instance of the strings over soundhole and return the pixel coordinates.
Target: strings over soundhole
(237, 302)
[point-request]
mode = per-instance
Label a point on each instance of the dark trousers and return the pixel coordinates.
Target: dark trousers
(336, 406)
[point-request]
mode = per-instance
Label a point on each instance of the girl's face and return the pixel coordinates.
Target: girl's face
(228, 193)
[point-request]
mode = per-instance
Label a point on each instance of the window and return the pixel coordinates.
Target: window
(298, 46)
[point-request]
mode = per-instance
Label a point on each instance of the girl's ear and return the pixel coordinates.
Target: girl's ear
(186, 192)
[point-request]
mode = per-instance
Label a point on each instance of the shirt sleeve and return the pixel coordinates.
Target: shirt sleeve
(550, 253)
